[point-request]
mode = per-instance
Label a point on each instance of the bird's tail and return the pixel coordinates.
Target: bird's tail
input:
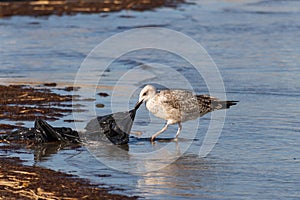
(219, 105)
(208, 104)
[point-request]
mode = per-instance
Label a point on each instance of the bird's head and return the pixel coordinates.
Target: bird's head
(147, 93)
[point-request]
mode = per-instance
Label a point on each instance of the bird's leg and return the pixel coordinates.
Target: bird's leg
(159, 132)
(178, 131)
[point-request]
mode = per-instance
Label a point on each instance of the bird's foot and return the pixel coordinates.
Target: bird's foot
(152, 139)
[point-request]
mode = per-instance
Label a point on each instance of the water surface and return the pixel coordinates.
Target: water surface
(256, 48)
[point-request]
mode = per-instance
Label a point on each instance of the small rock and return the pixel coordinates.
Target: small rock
(103, 94)
(71, 88)
(100, 105)
(19, 123)
(50, 84)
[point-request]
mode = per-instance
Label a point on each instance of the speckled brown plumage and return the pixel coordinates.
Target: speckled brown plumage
(178, 106)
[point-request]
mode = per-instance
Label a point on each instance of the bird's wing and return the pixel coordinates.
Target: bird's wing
(182, 100)
(206, 104)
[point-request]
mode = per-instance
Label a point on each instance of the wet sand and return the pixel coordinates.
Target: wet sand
(18, 181)
(19, 103)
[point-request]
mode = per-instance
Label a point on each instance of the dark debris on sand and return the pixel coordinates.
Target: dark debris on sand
(25, 103)
(18, 181)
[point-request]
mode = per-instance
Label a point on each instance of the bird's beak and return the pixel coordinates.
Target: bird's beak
(137, 105)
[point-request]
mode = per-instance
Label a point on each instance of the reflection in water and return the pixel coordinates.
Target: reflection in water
(44, 151)
(129, 158)
(172, 180)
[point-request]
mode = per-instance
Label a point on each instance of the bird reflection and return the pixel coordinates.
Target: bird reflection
(171, 180)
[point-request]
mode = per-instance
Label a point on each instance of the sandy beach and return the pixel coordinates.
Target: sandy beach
(18, 181)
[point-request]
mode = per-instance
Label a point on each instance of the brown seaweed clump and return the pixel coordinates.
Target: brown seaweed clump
(60, 7)
(18, 181)
(25, 103)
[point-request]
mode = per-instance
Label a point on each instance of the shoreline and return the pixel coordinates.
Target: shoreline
(18, 181)
(65, 7)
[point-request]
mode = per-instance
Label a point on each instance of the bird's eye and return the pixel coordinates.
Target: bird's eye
(146, 93)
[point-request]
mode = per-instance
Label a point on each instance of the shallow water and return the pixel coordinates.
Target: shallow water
(254, 45)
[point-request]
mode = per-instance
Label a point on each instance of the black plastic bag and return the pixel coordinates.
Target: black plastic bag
(115, 127)
(42, 132)
(46, 133)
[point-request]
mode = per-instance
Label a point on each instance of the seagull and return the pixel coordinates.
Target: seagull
(177, 106)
